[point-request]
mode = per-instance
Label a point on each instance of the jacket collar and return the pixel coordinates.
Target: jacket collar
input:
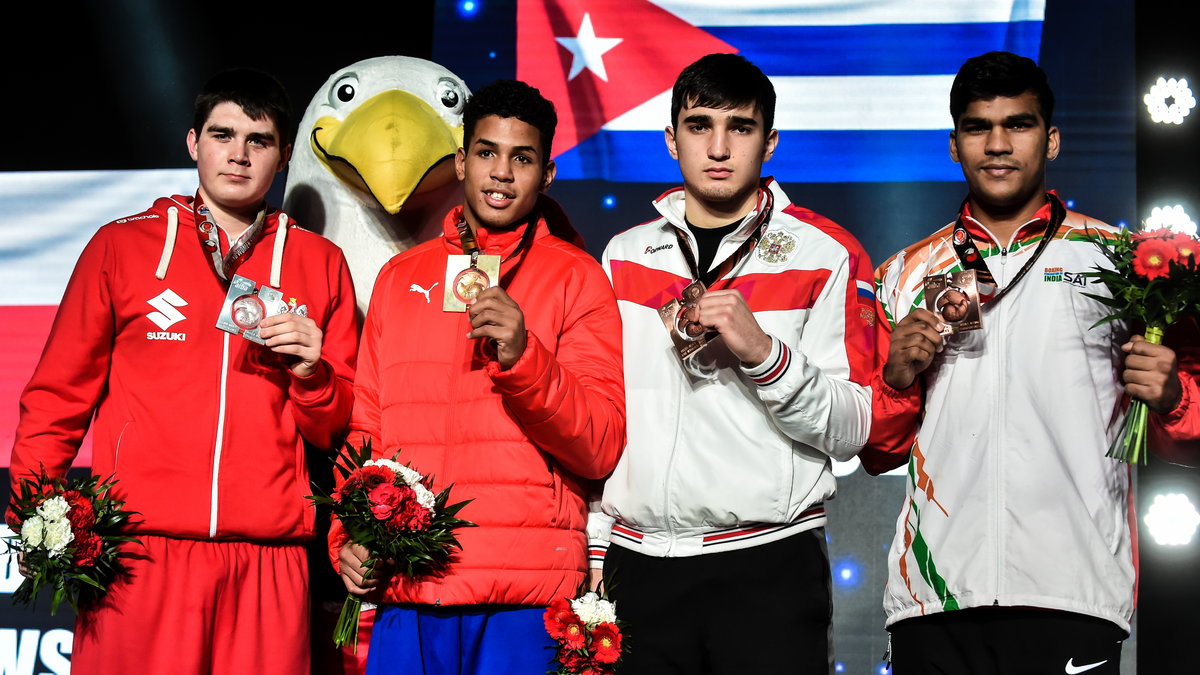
(1034, 227)
(671, 205)
(494, 242)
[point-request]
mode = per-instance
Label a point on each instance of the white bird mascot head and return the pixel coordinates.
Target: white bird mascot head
(372, 167)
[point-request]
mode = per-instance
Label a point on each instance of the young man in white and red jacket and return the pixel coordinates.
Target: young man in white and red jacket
(203, 430)
(516, 401)
(716, 510)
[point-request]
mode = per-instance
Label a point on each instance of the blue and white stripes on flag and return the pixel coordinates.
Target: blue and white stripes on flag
(862, 88)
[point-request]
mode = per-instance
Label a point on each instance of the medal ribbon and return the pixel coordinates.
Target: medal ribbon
(467, 239)
(210, 240)
(765, 206)
(470, 246)
(968, 253)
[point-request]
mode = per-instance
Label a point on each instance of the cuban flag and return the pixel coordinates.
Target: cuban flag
(863, 88)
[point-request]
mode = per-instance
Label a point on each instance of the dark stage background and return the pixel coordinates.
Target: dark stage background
(107, 86)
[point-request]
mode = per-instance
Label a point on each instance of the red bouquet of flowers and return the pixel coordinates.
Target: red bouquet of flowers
(391, 510)
(588, 634)
(1153, 281)
(69, 539)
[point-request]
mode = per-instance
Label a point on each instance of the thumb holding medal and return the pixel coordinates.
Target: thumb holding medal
(294, 335)
(496, 316)
(727, 312)
(915, 341)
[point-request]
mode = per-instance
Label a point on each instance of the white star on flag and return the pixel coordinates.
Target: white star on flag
(587, 49)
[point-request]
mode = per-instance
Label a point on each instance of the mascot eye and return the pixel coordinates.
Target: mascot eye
(452, 94)
(343, 90)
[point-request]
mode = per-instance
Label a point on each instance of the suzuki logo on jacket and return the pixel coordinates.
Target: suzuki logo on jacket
(168, 314)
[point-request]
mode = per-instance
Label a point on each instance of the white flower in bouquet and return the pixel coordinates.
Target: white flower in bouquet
(591, 609)
(424, 496)
(33, 530)
(53, 509)
(58, 535)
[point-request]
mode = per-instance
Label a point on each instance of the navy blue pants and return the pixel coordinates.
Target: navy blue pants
(461, 640)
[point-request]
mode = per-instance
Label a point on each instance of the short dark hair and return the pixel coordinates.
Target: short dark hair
(984, 77)
(512, 98)
(259, 94)
(724, 81)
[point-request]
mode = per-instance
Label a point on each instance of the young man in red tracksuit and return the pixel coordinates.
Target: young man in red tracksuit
(516, 401)
(204, 430)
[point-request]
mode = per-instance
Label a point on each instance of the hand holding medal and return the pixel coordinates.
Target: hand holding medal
(726, 312)
(295, 336)
(496, 316)
(915, 341)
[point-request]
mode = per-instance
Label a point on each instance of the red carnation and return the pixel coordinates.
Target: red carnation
(557, 615)
(82, 514)
(1152, 257)
(87, 549)
(571, 661)
(606, 643)
(411, 516)
(385, 498)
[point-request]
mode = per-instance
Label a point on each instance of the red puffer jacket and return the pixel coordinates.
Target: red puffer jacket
(521, 442)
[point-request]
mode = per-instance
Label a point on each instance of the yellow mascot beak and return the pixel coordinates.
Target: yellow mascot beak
(387, 146)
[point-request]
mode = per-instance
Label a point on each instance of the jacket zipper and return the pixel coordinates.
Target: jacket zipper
(220, 442)
(668, 512)
(998, 434)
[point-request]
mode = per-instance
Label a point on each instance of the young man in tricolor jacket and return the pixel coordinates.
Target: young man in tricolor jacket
(203, 430)
(1015, 548)
(712, 532)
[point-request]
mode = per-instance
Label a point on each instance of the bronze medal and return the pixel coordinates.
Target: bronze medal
(469, 283)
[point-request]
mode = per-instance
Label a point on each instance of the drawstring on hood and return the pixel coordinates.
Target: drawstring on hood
(169, 243)
(277, 252)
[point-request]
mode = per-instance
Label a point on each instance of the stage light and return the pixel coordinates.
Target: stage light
(839, 667)
(1169, 100)
(847, 573)
(884, 669)
(1172, 218)
(609, 201)
(467, 9)
(1171, 519)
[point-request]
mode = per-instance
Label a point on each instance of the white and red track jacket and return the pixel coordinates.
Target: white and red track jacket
(720, 456)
